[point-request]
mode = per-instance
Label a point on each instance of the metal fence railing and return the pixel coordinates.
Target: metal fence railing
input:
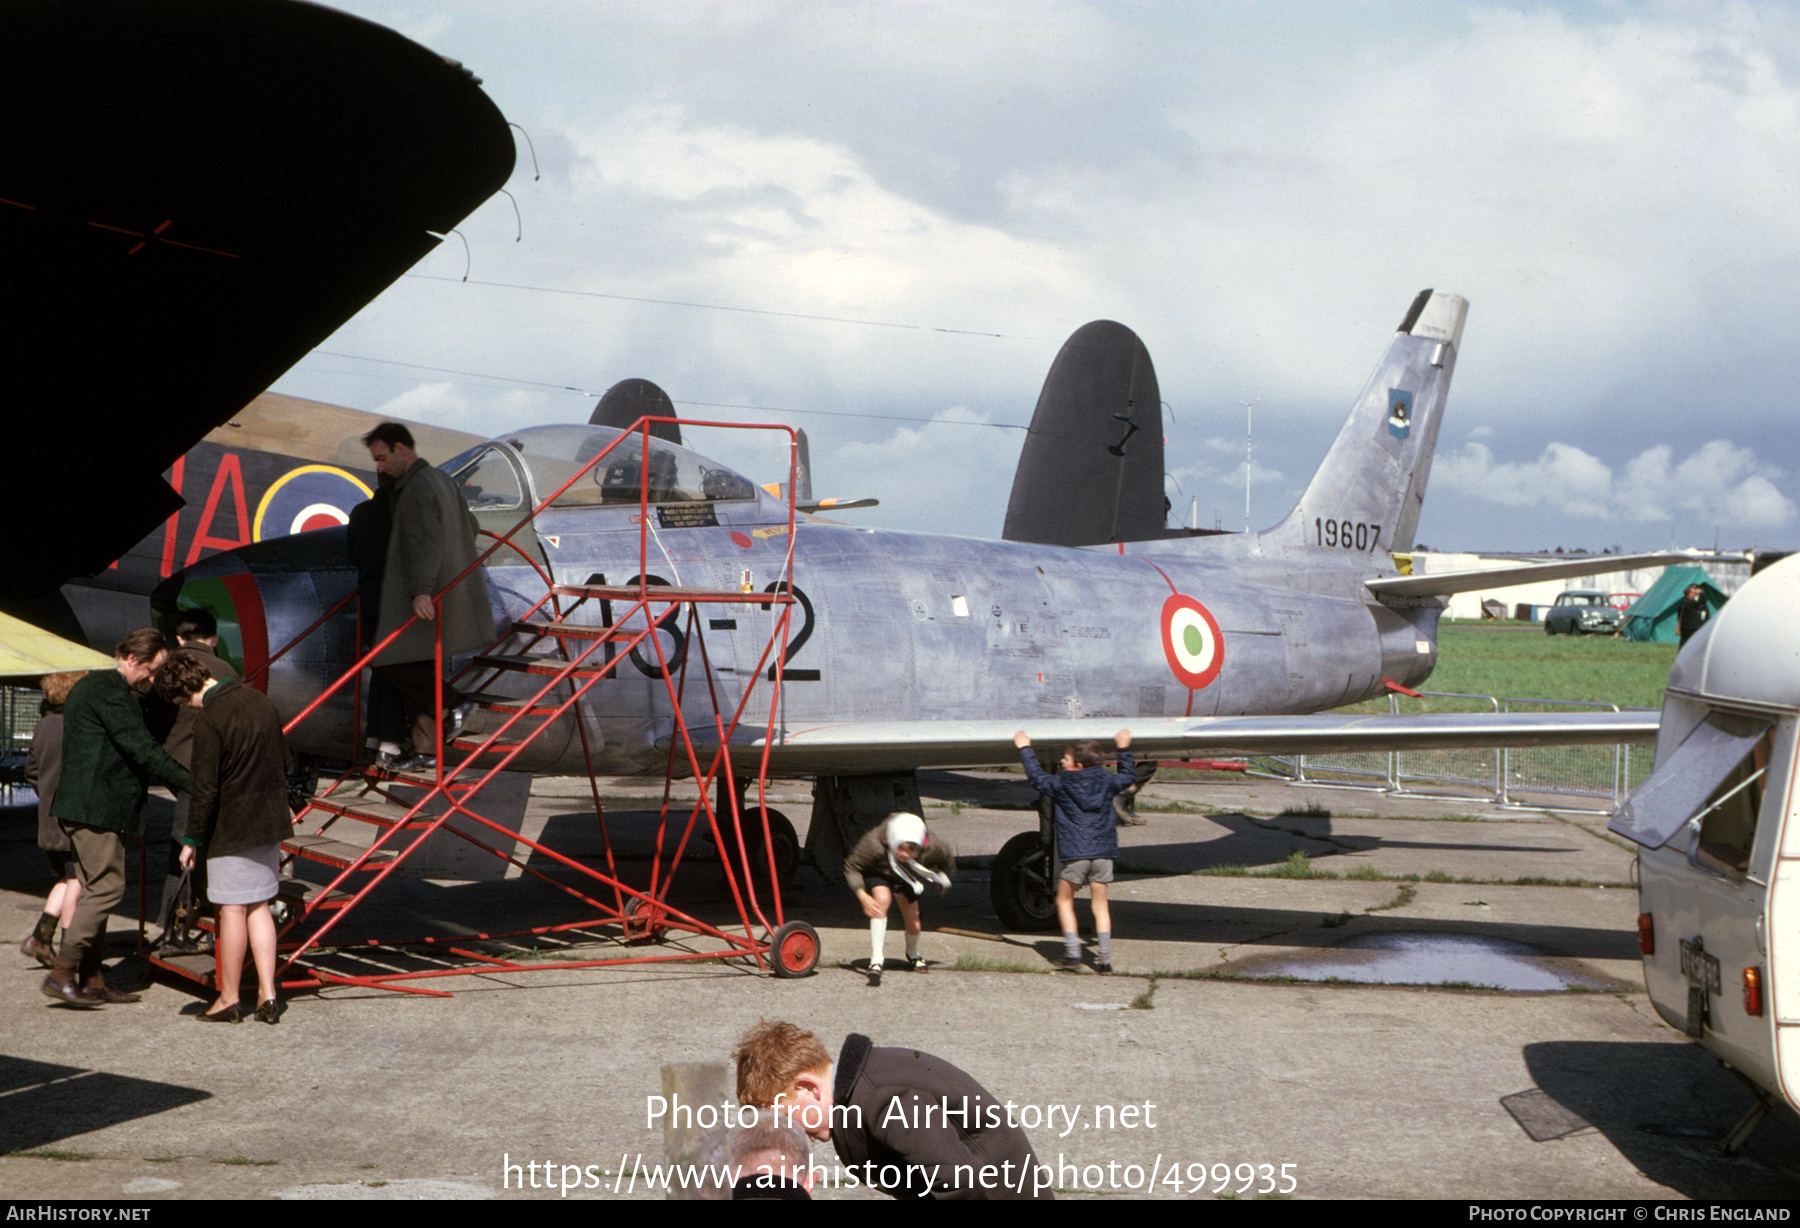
(1508, 777)
(18, 721)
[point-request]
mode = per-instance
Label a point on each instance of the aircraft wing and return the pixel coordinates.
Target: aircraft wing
(193, 196)
(1443, 583)
(880, 746)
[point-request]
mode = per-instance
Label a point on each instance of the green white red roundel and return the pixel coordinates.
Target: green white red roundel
(1191, 641)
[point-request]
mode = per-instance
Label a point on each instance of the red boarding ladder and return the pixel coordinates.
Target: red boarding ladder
(397, 808)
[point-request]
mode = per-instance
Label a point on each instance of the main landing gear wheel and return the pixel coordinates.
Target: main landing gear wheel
(642, 922)
(781, 835)
(1021, 886)
(794, 950)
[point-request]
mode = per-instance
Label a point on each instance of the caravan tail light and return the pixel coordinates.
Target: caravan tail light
(1753, 991)
(1646, 934)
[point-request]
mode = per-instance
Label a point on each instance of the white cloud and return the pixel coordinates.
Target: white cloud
(941, 477)
(1256, 190)
(1720, 484)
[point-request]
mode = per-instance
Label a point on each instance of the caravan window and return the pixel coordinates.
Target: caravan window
(1728, 820)
(1691, 778)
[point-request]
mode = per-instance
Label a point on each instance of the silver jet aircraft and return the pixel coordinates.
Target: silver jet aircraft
(908, 650)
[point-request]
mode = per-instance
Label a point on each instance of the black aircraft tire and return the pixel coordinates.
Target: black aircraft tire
(785, 838)
(794, 950)
(1021, 888)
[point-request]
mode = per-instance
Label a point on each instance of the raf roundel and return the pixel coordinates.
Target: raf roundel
(1191, 641)
(310, 497)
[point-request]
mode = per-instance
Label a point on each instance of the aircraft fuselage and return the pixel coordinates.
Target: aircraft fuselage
(886, 626)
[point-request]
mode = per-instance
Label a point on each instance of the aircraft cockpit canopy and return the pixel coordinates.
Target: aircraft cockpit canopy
(490, 475)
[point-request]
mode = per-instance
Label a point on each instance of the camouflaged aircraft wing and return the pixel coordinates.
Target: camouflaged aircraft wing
(881, 746)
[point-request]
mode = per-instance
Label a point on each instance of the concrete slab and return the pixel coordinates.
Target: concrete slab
(1367, 1090)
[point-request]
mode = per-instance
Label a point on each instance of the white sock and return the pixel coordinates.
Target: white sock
(912, 947)
(877, 939)
(389, 748)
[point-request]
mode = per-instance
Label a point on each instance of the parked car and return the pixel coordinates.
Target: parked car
(1583, 612)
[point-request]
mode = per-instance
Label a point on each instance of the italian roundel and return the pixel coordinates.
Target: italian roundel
(1191, 641)
(310, 497)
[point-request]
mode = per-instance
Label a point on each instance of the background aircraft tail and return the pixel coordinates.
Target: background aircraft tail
(1366, 495)
(1091, 471)
(630, 399)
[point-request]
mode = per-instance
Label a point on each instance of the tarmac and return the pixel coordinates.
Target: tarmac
(1238, 1050)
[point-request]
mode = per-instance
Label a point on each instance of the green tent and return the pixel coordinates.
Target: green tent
(1652, 616)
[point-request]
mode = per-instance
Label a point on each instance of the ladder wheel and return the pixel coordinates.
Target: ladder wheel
(794, 950)
(642, 921)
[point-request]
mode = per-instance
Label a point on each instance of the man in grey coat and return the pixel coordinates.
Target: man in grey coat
(431, 544)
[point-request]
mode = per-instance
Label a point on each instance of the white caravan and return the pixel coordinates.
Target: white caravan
(1718, 825)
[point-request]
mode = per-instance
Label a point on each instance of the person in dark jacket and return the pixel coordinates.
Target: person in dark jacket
(43, 764)
(872, 1107)
(197, 634)
(1691, 612)
(109, 759)
(239, 816)
(1086, 835)
(371, 523)
(431, 544)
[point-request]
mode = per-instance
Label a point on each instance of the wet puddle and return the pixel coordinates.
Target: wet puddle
(1427, 959)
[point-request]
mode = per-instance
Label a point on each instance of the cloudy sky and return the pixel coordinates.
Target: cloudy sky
(879, 221)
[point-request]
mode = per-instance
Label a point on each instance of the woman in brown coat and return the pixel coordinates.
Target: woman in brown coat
(239, 816)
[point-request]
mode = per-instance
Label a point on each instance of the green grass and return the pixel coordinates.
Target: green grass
(245, 1160)
(981, 963)
(1145, 1001)
(1299, 865)
(1473, 660)
(51, 1153)
(1402, 898)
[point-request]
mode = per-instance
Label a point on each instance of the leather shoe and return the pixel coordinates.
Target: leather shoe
(229, 1014)
(268, 1012)
(455, 719)
(43, 952)
(106, 993)
(69, 993)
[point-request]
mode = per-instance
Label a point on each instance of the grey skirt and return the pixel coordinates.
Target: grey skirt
(246, 878)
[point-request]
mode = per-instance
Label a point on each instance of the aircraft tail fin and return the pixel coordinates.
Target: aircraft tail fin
(1091, 470)
(630, 399)
(1366, 495)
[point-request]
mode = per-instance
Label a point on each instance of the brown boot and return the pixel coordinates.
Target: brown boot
(60, 984)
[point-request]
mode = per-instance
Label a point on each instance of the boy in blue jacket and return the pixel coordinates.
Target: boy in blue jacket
(1086, 836)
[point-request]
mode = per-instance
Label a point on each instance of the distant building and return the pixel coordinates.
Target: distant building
(1728, 569)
